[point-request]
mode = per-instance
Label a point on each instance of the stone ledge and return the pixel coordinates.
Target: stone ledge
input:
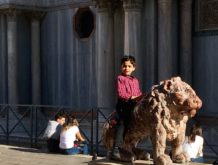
(137, 162)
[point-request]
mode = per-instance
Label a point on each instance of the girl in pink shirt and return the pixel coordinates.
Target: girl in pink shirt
(128, 92)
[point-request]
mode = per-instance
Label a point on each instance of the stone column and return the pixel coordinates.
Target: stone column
(12, 56)
(165, 61)
(35, 57)
(132, 31)
(185, 59)
(3, 59)
(105, 54)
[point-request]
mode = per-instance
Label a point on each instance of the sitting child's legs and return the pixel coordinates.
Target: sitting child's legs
(198, 160)
(85, 149)
(70, 151)
(53, 145)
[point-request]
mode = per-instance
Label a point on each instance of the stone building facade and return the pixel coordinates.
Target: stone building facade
(67, 52)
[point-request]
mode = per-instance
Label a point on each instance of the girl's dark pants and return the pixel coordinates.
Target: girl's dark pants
(124, 110)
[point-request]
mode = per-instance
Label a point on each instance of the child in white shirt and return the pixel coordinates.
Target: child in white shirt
(70, 136)
(193, 144)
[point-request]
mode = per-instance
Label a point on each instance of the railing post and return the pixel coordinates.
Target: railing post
(31, 126)
(7, 125)
(36, 125)
(92, 129)
(97, 123)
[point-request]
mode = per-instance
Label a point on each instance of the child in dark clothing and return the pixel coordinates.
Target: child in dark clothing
(52, 132)
(128, 92)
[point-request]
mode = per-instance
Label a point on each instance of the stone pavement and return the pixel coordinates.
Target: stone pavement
(12, 155)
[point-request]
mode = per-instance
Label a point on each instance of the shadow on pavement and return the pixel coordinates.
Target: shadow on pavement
(33, 150)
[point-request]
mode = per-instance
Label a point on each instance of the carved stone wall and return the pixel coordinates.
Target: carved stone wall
(23, 2)
(206, 15)
(43, 3)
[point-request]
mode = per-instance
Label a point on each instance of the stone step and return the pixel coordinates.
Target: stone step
(105, 161)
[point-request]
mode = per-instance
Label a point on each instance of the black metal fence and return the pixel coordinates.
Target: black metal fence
(27, 123)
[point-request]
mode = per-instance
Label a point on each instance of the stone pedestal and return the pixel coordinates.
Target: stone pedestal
(110, 162)
(137, 162)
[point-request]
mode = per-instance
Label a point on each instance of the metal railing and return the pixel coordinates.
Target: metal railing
(28, 123)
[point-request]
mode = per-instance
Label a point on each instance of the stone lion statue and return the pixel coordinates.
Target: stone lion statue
(161, 114)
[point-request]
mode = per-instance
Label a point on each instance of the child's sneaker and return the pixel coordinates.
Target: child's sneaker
(115, 155)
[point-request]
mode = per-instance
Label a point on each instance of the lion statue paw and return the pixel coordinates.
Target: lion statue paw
(163, 160)
(181, 158)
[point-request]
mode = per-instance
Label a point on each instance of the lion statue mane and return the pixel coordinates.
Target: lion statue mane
(161, 114)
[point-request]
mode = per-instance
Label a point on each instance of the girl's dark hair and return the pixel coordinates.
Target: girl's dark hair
(128, 58)
(60, 115)
(195, 130)
(71, 121)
